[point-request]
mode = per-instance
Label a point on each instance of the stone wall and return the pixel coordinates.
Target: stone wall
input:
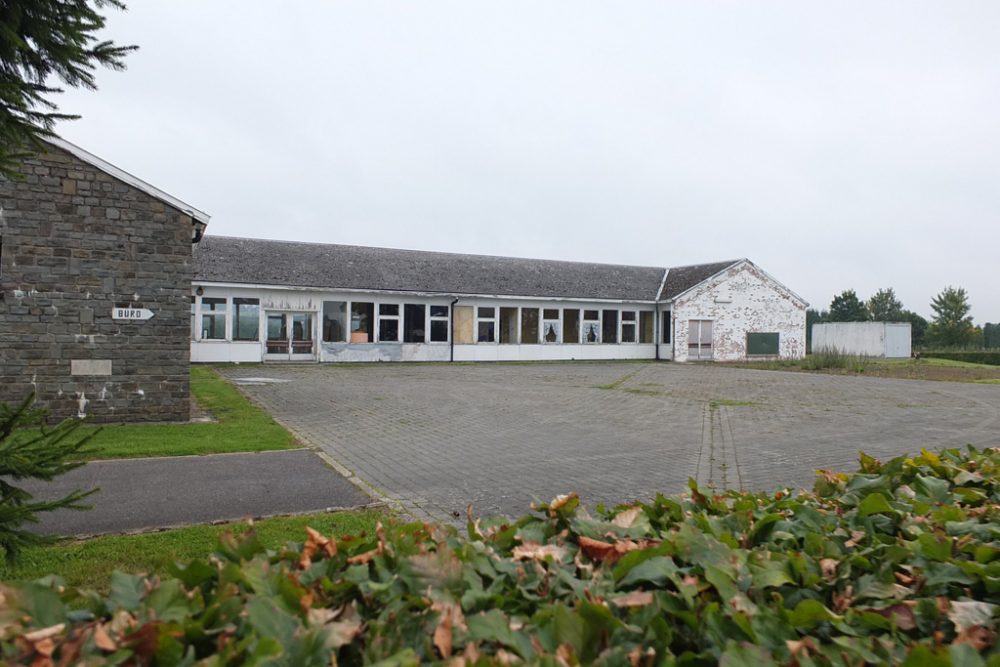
(76, 243)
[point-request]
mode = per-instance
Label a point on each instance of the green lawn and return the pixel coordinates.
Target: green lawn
(90, 562)
(241, 427)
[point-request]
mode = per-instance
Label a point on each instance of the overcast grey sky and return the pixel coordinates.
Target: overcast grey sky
(837, 145)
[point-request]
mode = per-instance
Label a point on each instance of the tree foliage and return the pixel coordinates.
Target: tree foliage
(44, 40)
(31, 450)
(847, 307)
(897, 564)
(918, 327)
(952, 324)
(883, 306)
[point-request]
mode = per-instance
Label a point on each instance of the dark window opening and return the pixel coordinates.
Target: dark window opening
(529, 326)
(609, 328)
(414, 323)
(508, 326)
(571, 326)
(362, 322)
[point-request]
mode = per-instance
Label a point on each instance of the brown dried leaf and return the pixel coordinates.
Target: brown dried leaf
(829, 568)
(856, 537)
(626, 518)
(595, 550)
(633, 599)
(535, 551)
(564, 655)
(443, 637)
(363, 558)
(901, 614)
(505, 657)
(103, 640)
(978, 637)
(45, 633)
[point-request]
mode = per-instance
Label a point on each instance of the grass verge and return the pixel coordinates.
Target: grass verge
(241, 427)
(89, 563)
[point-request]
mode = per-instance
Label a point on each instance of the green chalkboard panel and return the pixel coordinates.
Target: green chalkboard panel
(762, 344)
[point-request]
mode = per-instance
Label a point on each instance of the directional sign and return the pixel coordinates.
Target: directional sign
(140, 314)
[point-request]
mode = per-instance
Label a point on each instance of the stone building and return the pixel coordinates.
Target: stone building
(95, 278)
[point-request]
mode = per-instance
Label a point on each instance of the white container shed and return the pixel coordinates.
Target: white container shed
(889, 340)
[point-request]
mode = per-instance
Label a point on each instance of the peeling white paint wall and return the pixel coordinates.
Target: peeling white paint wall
(873, 339)
(742, 300)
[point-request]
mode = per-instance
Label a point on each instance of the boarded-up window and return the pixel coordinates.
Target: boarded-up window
(762, 344)
(463, 325)
(508, 326)
(571, 326)
(529, 326)
(645, 326)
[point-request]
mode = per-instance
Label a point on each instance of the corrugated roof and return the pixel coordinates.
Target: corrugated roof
(294, 264)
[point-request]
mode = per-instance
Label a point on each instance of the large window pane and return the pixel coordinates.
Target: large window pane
(439, 331)
(362, 322)
(487, 331)
(571, 326)
(591, 326)
(645, 326)
(388, 309)
(508, 326)
(334, 321)
(388, 330)
(609, 328)
(414, 323)
(246, 319)
(529, 326)
(213, 318)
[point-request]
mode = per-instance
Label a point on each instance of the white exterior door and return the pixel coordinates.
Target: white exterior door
(289, 337)
(699, 340)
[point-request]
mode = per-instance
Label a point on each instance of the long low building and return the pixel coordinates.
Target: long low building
(260, 300)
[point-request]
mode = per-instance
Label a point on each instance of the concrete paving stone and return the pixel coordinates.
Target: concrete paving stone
(500, 436)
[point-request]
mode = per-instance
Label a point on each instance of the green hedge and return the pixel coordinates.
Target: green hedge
(991, 357)
(898, 563)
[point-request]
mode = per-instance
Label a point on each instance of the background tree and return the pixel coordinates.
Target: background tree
(42, 40)
(952, 324)
(30, 450)
(847, 307)
(918, 327)
(883, 306)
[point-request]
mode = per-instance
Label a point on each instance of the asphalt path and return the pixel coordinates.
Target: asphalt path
(143, 494)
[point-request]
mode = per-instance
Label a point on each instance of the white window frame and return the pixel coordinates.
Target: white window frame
(446, 318)
(379, 317)
(225, 316)
(495, 320)
(634, 324)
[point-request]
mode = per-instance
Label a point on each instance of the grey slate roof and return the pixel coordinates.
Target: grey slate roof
(288, 263)
(683, 278)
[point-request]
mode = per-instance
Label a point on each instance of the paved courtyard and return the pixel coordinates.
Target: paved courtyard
(435, 438)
